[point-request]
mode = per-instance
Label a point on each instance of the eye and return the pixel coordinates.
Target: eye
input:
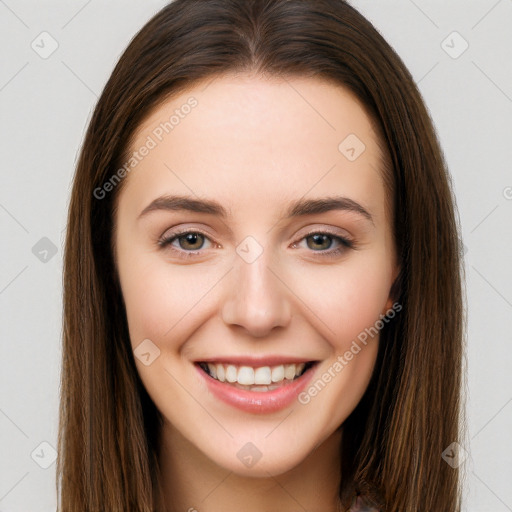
(191, 241)
(319, 241)
(187, 241)
(326, 244)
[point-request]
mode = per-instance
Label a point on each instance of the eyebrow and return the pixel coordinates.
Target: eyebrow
(323, 205)
(185, 203)
(295, 209)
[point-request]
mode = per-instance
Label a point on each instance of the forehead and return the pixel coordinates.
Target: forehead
(242, 137)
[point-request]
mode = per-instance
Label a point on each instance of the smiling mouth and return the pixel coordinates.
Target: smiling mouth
(262, 378)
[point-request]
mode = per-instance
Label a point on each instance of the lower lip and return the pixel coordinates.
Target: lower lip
(262, 402)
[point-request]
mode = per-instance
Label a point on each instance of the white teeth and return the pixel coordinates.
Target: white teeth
(231, 373)
(221, 374)
(248, 376)
(262, 388)
(213, 370)
(277, 373)
(289, 371)
(263, 375)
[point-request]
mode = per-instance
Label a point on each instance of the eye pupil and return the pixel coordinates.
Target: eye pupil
(191, 241)
(319, 241)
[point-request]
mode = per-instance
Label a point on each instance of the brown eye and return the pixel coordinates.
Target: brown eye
(326, 245)
(186, 243)
(319, 242)
(191, 241)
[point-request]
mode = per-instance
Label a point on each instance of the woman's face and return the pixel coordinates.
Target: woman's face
(252, 234)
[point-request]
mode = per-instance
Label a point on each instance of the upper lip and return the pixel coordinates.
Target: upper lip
(270, 360)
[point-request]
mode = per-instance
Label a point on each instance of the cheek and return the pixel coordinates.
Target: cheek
(347, 302)
(161, 299)
(362, 298)
(145, 297)
(344, 300)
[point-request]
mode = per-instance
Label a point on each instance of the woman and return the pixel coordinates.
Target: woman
(262, 286)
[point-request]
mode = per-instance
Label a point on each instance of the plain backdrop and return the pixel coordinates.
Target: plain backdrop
(55, 59)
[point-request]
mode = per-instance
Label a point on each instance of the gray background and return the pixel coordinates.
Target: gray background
(45, 104)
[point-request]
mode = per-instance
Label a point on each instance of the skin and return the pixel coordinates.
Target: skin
(254, 145)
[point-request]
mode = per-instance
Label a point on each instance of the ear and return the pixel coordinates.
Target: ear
(395, 289)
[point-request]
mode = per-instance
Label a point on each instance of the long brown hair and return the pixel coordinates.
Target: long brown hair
(411, 411)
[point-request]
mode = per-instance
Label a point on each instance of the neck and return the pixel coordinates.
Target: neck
(191, 482)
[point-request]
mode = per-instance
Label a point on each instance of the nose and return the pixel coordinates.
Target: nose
(256, 299)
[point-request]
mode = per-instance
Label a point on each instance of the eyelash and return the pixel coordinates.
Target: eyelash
(345, 243)
(168, 240)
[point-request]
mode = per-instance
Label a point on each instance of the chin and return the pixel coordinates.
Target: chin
(259, 456)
